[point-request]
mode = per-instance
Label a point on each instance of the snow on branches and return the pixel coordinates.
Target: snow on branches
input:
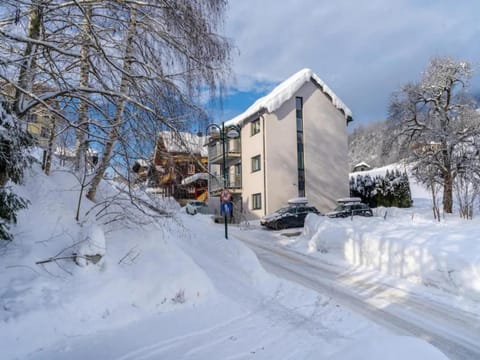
(14, 159)
(393, 189)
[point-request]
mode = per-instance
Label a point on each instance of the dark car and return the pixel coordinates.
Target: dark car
(350, 209)
(290, 216)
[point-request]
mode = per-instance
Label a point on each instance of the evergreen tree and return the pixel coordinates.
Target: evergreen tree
(14, 142)
(393, 189)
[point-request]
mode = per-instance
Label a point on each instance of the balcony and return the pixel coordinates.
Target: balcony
(232, 151)
(233, 183)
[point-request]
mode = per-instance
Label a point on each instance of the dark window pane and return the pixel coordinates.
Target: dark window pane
(298, 102)
(301, 186)
(256, 201)
(299, 137)
(255, 127)
(256, 163)
(299, 125)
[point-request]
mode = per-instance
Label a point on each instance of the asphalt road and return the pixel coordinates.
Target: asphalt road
(455, 332)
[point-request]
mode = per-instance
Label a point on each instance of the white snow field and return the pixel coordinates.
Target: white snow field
(177, 289)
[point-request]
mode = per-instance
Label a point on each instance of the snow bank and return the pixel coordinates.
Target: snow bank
(92, 245)
(142, 270)
(406, 244)
(390, 348)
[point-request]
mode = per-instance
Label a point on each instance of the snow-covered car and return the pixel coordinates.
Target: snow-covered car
(193, 207)
(346, 209)
(292, 215)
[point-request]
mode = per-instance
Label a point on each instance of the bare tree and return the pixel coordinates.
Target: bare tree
(106, 67)
(467, 180)
(171, 46)
(81, 145)
(434, 118)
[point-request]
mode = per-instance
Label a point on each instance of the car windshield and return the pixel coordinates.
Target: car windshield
(283, 210)
(340, 208)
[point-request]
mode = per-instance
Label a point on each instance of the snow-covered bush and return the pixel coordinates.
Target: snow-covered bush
(14, 142)
(393, 189)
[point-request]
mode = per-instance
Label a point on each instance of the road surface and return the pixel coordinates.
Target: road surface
(453, 331)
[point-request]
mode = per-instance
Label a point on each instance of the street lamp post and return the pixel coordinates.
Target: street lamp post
(225, 133)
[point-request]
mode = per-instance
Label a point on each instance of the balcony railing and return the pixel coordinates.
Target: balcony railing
(216, 183)
(232, 150)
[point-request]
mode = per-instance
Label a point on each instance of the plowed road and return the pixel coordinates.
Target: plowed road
(453, 331)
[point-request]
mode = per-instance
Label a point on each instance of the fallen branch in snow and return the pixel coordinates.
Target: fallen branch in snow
(159, 211)
(132, 255)
(22, 266)
(52, 259)
(92, 258)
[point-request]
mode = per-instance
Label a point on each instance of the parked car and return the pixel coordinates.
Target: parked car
(193, 207)
(346, 209)
(292, 215)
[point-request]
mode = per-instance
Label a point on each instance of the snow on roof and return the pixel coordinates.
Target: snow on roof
(195, 177)
(286, 90)
(184, 142)
(362, 164)
(349, 200)
(298, 200)
(72, 151)
(142, 162)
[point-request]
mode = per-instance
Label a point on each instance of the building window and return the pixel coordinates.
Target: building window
(256, 201)
(300, 147)
(301, 183)
(44, 133)
(191, 169)
(238, 175)
(256, 163)
(255, 127)
(31, 118)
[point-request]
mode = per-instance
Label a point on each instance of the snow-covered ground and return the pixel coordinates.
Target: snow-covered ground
(403, 243)
(176, 289)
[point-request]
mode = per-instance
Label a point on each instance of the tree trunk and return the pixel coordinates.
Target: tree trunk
(25, 76)
(81, 144)
(448, 192)
(114, 131)
(51, 141)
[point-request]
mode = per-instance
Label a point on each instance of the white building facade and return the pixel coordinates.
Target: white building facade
(293, 143)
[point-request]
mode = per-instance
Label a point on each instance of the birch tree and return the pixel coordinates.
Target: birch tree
(173, 48)
(104, 71)
(120, 105)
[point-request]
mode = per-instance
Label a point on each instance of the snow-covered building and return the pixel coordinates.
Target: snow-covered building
(64, 154)
(361, 166)
(179, 156)
(293, 143)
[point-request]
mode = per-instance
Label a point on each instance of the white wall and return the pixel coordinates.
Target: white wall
(326, 149)
(325, 154)
(252, 182)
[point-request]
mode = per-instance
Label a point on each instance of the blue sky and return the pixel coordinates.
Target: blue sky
(363, 50)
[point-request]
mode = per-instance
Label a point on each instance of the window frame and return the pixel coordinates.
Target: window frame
(256, 160)
(257, 201)
(255, 127)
